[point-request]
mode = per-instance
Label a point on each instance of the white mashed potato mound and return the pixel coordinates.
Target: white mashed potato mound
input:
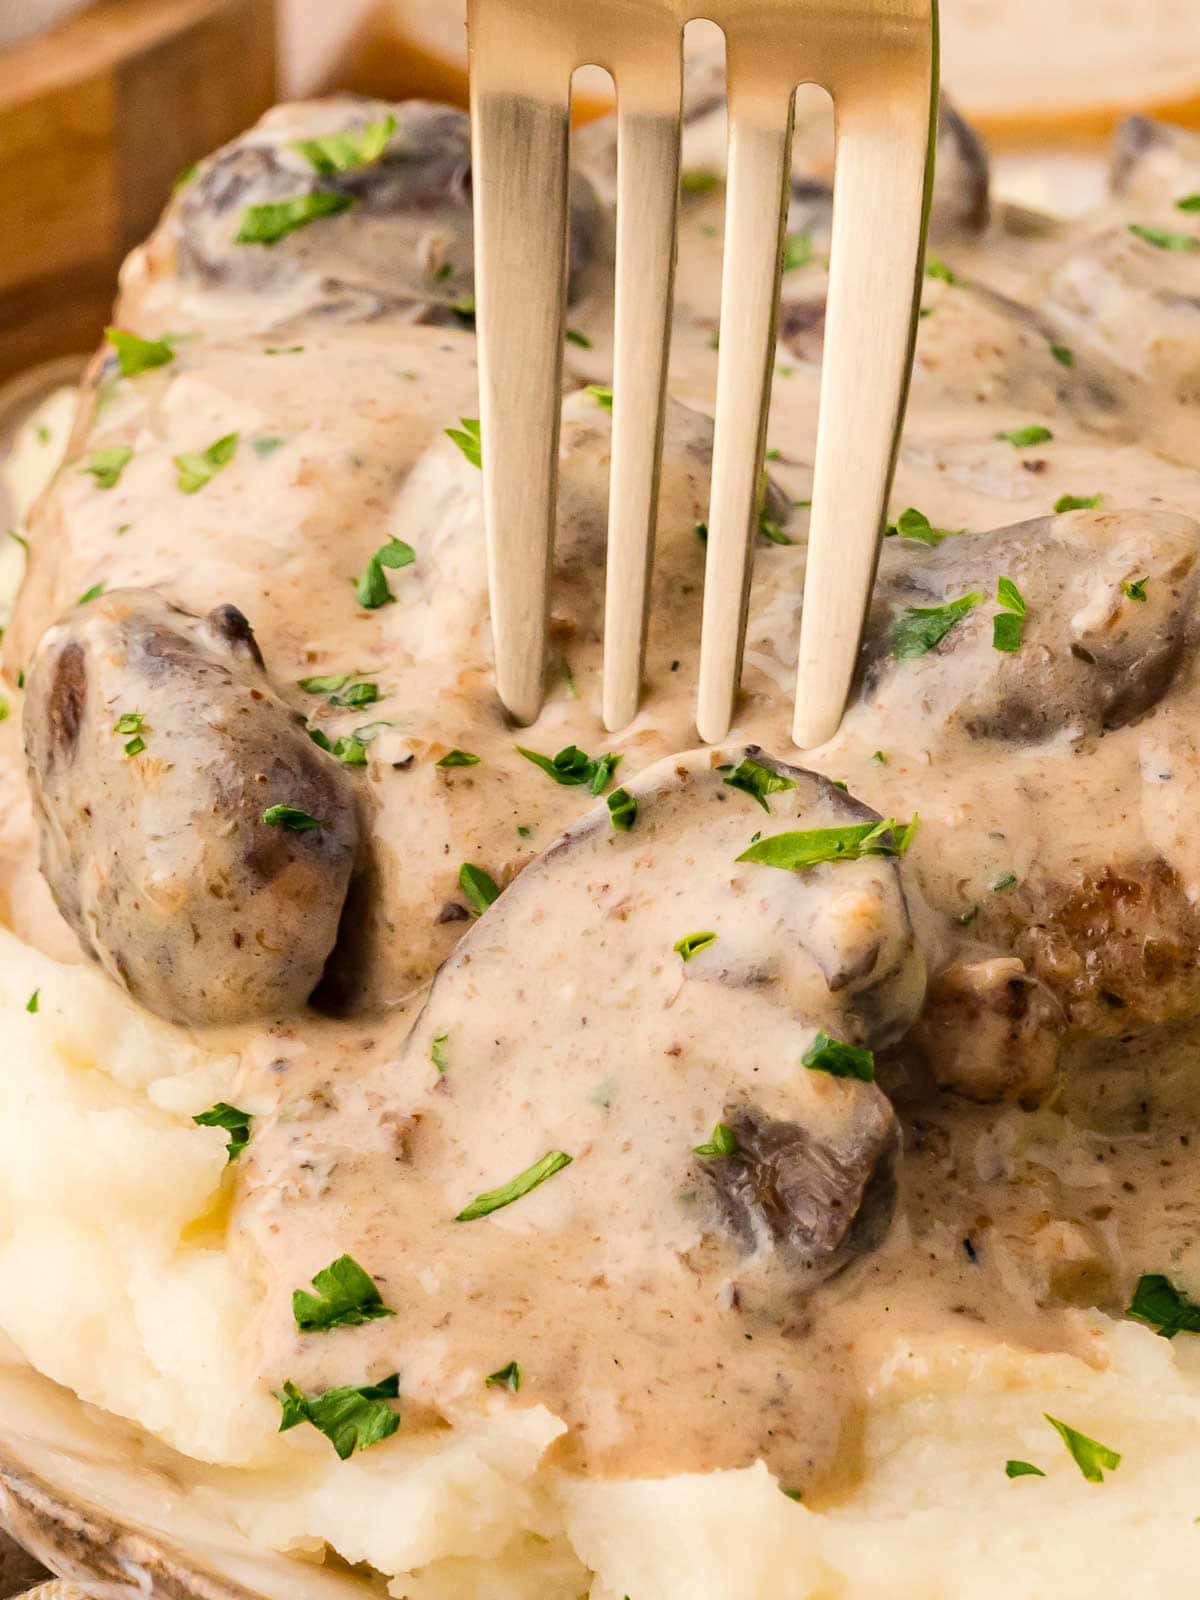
(120, 1282)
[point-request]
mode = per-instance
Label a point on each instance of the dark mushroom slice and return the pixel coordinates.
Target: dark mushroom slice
(1153, 163)
(962, 178)
(402, 245)
(156, 750)
(830, 948)
(1092, 657)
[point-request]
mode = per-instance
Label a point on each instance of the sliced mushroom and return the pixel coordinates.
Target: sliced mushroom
(724, 1028)
(156, 747)
(1154, 163)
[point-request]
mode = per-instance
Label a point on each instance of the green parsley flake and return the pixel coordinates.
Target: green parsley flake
(692, 943)
(1004, 881)
(458, 758)
(1076, 502)
(698, 181)
(508, 1377)
(573, 767)
(356, 696)
(32, 1005)
(88, 595)
(919, 628)
(1022, 1469)
(235, 1123)
(196, 468)
(267, 224)
(329, 684)
(479, 887)
(349, 150)
(351, 1418)
(1164, 239)
(468, 438)
(1022, 438)
(573, 336)
(136, 355)
(346, 1297)
(935, 267)
(291, 818)
(437, 1051)
(1063, 354)
(129, 722)
(914, 524)
(134, 746)
(1008, 629)
(752, 778)
(266, 445)
(106, 466)
(796, 852)
(838, 1059)
(622, 810)
(797, 251)
(496, 1199)
(880, 758)
(1135, 589)
(1092, 1458)
(1158, 1303)
(722, 1142)
(602, 395)
(371, 591)
(1190, 202)
(770, 530)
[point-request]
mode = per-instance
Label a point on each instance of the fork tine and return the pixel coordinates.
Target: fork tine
(759, 147)
(648, 130)
(882, 181)
(520, 113)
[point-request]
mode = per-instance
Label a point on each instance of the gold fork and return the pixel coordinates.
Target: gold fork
(878, 61)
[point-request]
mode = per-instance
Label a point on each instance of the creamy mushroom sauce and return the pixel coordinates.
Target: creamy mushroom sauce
(1067, 772)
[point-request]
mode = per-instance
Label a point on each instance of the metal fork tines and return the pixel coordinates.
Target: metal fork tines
(877, 60)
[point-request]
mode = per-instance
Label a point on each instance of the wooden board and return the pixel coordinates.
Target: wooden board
(97, 119)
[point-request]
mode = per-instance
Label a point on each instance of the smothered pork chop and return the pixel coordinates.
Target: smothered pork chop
(539, 1162)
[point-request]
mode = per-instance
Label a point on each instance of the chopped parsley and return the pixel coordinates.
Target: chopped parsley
(468, 438)
(573, 336)
(32, 1004)
(1091, 1457)
(880, 758)
(196, 468)
(1164, 239)
(698, 180)
(919, 628)
(266, 445)
(479, 887)
(356, 696)
(1135, 589)
(508, 1377)
(692, 943)
(602, 395)
(1004, 881)
(722, 1142)
(88, 595)
(496, 1199)
(458, 758)
(1022, 438)
(1063, 354)
(346, 1297)
(1022, 1469)
(267, 224)
(1076, 502)
(351, 1418)
(136, 355)
(351, 748)
(1158, 1303)
(235, 1123)
(935, 267)
(914, 524)
(371, 591)
(752, 778)
(838, 1059)
(770, 530)
(797, 251)
(464, 309)
(622, 810)
(437, 1051)
(1008, 628)
(346, 151)
(134, 746)
(795, 852)
(291, 818)
(129, 722)
(1190, 202)
(572, 767)
(328, 684)
(106, 466)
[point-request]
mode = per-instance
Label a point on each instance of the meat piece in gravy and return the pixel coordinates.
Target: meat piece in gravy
(156, 749)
